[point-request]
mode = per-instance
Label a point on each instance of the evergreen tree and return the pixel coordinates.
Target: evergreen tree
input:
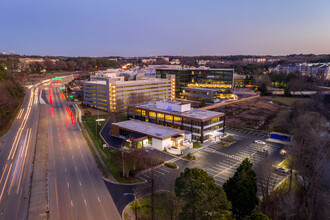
(241, 190)
(203, 198)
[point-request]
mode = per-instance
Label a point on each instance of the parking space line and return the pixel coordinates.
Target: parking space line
(159, 172)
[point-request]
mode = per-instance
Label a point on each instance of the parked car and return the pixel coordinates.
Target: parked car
(260, 142)
(263, 150)
(282, 170)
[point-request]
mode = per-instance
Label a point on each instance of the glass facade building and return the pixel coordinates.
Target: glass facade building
(221, 79)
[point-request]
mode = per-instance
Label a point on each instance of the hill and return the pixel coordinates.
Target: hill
(11, 98)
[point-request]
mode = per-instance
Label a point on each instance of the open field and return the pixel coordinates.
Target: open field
(260, 113)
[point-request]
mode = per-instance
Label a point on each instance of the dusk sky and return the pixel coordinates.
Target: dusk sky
(171, 27)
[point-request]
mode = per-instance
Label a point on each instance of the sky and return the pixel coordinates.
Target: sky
(171, 27)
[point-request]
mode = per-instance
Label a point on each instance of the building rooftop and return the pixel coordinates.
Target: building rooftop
(194, 69)
(131, 82)
(149, 129)
(194, 113)
(102, 82)
(200, 89)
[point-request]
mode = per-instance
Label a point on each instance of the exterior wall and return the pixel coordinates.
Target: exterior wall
(114, 130)
(222, 79)
(157, 144)
(173, 106)
(198, 129)
(196, 94)
(105, 95)
(97, 95)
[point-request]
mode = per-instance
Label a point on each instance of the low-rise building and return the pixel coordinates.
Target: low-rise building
(150, 135)
(200, 94)
(109, 94)
(202, 124)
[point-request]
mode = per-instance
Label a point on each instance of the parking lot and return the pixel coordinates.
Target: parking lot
(221, 162)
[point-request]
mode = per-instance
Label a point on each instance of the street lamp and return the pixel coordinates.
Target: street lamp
(97, 120)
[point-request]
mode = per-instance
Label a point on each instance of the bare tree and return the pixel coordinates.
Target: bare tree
(120, 107)
(266, 180)
(310, 153)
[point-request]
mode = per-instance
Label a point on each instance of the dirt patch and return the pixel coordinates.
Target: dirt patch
(257, 113)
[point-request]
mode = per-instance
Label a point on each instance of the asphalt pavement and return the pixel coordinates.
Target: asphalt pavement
(76, 187)
(16, 159)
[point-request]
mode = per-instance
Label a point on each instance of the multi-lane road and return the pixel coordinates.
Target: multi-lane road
(16, 158)
(76, 188)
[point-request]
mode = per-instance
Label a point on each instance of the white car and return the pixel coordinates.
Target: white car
(260, 142)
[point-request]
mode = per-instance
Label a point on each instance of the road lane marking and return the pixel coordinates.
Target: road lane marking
(76, 168)
(4, 186)
(79, 183)
(85, 201)
(68, 184)
(29, 132)
(58, 213)
(3, 173)
(98, 198)
(71, 203)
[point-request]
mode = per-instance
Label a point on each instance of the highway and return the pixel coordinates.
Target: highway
(16, 157)
(76, 187)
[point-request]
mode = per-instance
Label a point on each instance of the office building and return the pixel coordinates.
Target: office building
(202, 124)
(221, 79)
(109, 94)
(146, 134)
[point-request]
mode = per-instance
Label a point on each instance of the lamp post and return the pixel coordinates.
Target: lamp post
(96, 121)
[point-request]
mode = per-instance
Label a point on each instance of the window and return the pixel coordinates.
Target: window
(143, 112)
(152, 114)
(169, 117)
(177, 119)
(160, 116)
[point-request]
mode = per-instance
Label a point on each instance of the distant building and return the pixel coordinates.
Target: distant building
(221, 79)
(175, 62)
(202, 124)
(108, 74)
(320, 70)
(254, 60)
(149, 60)
(105, 94)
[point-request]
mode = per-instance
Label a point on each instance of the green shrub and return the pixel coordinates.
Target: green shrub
(171, 165)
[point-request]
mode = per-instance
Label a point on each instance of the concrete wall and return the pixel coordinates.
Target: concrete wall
(157, 144)
(172, 106)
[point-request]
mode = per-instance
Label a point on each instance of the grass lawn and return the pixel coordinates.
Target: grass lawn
(110, 156)
(285, 163)
(288, 100)
(197, 145)
(284, 187)
(162, 206)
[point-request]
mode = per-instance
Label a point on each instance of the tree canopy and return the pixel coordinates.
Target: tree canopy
(241, 190)
(203, 198)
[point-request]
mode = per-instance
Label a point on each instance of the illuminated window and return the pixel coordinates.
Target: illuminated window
(152, 114)
(177, 119)
(143, 112)
(160, 115)
(169, 117)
